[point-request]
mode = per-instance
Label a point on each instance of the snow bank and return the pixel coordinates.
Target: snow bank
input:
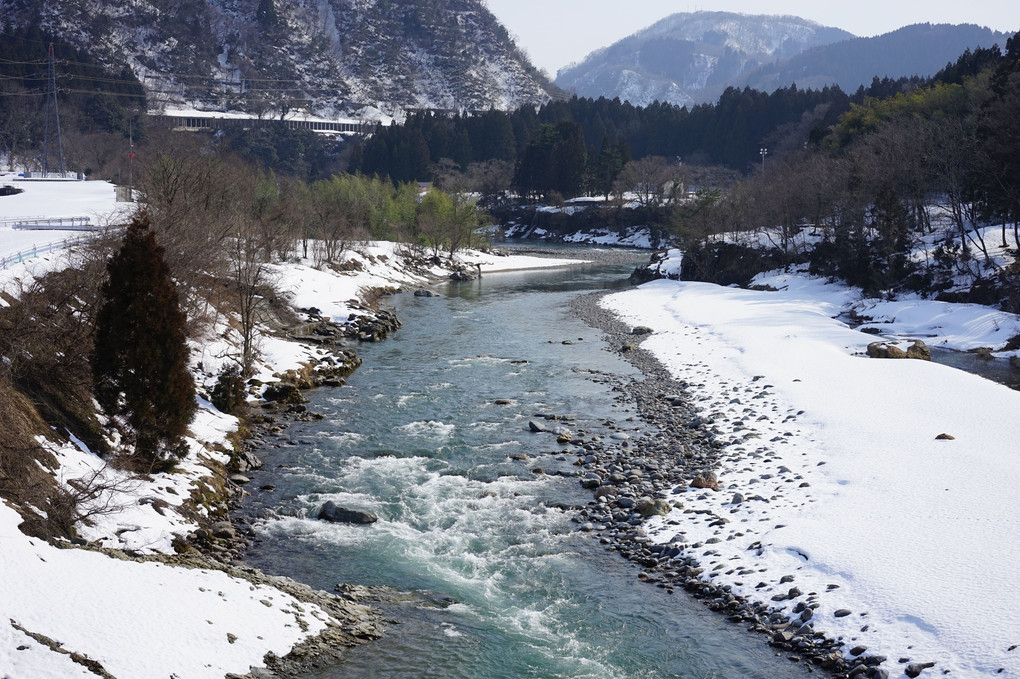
(136, 619)
(844, 484)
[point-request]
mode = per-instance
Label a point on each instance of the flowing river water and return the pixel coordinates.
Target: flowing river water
(431, 434)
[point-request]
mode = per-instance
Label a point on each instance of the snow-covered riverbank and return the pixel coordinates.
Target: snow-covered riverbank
(834, 473)
(68, 607)
(152, 612)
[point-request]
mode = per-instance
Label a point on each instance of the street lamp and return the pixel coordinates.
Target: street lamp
(764, 152)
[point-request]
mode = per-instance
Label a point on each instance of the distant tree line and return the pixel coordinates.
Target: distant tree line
(728, 133)
(539, 142)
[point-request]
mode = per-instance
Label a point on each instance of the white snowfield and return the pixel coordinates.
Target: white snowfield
(28, 251)
(845, 486)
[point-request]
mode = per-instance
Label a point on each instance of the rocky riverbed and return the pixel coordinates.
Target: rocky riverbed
(633, 478)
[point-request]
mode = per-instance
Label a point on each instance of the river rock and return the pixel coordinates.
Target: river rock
(223, 530)
(919, 350)
(914, 669)
(425, 293)
(330, 512)
(642, 330)
(885, 350)
(706, 480)
(647, 508)
(283, 392)
(536, 426)
(246, 461)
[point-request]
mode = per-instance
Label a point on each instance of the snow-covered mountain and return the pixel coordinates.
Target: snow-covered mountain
(324, 56)
(689, 58)
(692, 58)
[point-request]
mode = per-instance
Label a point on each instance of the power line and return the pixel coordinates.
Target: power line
(33, 62)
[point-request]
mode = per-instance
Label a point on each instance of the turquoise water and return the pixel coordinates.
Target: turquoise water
(507, 586)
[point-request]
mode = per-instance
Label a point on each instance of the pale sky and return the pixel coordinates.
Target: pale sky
(555, 33)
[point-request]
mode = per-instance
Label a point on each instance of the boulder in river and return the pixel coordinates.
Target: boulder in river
(330, 512)
(246, 461)
(885, 350)
(919, 350)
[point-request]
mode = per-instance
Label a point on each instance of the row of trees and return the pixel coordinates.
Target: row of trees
(727, 133)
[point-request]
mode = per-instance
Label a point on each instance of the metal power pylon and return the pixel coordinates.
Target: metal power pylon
(51, 105)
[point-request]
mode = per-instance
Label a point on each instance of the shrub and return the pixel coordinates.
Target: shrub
(229, 395)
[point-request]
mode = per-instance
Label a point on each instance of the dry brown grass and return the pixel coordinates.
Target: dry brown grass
(24, 481)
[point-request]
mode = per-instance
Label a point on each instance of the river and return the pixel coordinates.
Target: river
(431, 434)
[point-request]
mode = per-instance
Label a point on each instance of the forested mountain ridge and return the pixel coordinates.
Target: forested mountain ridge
(692, 58)
(920, 49)
(377, 57)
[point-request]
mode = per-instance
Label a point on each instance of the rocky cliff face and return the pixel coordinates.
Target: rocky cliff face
(349, 57)
(691, 57)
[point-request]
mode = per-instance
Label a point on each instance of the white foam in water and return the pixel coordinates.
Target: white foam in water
(451, 630)
(429, 428)
(344, 438)
(405, 399)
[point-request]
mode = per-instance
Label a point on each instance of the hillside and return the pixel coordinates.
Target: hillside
(329, 57)
(689, 58)
(921, 49)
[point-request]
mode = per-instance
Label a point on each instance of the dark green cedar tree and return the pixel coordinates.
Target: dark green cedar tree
(140, 359)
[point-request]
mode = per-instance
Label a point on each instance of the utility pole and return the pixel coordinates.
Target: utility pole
(131, 160)
(764, 152)
(51, 105)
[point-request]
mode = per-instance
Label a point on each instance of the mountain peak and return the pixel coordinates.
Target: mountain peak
(688, 57)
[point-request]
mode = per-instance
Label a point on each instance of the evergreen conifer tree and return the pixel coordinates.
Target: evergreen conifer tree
(140, 359)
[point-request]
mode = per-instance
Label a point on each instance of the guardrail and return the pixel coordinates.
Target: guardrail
(36, 250)
(53, 224)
